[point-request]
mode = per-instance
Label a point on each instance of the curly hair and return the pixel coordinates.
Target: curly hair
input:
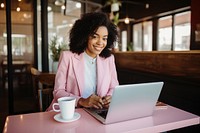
(86, 26)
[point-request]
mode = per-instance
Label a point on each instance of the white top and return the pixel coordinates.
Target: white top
(90, 75)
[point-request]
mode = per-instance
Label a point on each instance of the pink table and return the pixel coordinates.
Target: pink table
(43, 122)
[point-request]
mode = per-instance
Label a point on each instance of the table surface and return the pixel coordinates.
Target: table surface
(43, 122)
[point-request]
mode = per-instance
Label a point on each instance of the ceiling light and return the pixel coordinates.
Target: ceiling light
(126, 21)
(78, 5)
(49, 8)
(2, 5)
(62, 7)
(18, 9)
(59, 2)
(26, 15)
(147, 6)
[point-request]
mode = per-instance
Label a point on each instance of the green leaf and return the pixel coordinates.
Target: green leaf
(56, 48)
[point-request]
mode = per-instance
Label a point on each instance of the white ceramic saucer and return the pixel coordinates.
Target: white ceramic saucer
(58, 118)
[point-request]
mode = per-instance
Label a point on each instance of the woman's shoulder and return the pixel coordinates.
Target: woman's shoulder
(110, 58)
(70, 54)
(67, 52)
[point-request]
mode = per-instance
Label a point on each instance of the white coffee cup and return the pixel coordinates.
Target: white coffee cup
(67, 107)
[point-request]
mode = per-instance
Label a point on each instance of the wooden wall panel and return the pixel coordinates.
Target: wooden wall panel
(183, 64)
(180, 72)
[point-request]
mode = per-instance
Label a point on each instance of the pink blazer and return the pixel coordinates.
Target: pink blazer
(69, 79)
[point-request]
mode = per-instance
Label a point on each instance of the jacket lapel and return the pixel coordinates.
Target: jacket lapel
(100, 73)
(78, 63)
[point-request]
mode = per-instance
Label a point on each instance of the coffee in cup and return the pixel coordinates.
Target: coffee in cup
(67, 107)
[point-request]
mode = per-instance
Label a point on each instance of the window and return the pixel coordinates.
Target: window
(60, 20)
(124, 41)
(165, 33)
(61, 17)
(182, 31)
(147, 36)
(22, 32)
(137, 37)
(142, 36)
(173, 33)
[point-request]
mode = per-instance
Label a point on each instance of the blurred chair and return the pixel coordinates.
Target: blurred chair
(20, 71)
(43, 85)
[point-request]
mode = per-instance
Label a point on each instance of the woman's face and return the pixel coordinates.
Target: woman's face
(97, 42)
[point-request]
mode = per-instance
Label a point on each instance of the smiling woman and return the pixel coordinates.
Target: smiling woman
(80, 70)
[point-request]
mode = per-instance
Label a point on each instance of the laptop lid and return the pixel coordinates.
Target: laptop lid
(130, 102)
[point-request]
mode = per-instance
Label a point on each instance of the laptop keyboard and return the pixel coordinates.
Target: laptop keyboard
(102, 112)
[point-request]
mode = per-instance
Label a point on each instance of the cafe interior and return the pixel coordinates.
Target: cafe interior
(159, 40)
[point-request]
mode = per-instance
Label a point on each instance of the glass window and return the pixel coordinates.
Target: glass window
(142, 33)
(3, 39)
(22, 31)
(182, 31)
(142, 36)
(21, 52)
(147, 36)
(124, 41)
(137, 37)
(61, 17)
(165, 33)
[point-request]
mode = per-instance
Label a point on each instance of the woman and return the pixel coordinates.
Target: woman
(88, 70)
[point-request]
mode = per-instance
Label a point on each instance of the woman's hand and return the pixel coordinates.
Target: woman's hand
(92, 101)
(106, 101)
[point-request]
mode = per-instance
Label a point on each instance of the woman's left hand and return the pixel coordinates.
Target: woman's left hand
(106, 101)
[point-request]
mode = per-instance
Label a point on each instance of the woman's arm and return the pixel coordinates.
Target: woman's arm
(114, 80)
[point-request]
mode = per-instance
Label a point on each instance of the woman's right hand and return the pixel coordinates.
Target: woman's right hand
(92, 101)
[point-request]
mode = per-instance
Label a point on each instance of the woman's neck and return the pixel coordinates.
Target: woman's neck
(89, 54)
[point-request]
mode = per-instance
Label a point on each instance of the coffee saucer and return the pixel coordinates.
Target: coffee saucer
(58, 118)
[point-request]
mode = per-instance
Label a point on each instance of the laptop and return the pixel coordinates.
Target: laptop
(129, 102)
